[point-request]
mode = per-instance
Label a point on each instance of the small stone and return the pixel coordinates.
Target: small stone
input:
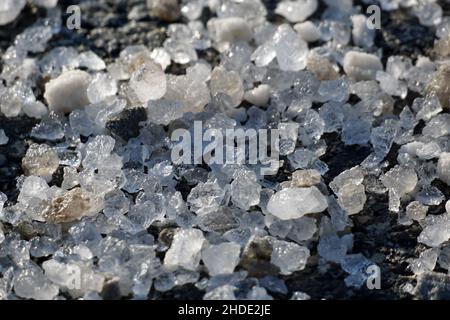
(293, 203)
(40, 160)
(149, 82)
(166, 10)
(185, 250)
(71, 206)
(298, 10)
(68, 91)
(222, 258)
(361, 66)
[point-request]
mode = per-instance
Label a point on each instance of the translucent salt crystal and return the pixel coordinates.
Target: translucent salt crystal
(192, 9)
(357, 126)
(226, 31)
(3, 137)
(34, 39)
(258, 96)
(205, 197)
(357, 266)
(161, 56)
(416, 210)
(427, 107)
(332, 115)
(185, 250)
(298, 10)
(438, 126)
(71, 206)
(35, 109)
(330, 247)
(99, 113)
(193, 94)
(14, 97)
(101, 87)
(258, 293)
(352, 198)
(382, 137)
(227, 82)
(149, 82)
(221, 258)
(444, 257)
(354, 176)
(400, 179)
(289, 257)
(426, 261)
(436, 230)
(31, 283)
(362, 35)
(245, 190)
(264, 54)
(10, 10)
(180, 51)
(391, 85)
(225, 292)
(398, 66)
(428, 12)
(308, 31)
(443, 167)
(46, 3)
(90, 60)
(293, 203)
(68, 91)
(312, 127)
(253, 11)
(40, 160)
(430, 196)
(361, 66)
(164, 111)
(291, 50)
(288, 132)
(64, 275)
(334, 90)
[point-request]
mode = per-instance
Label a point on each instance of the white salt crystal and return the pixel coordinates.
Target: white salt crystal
(35, 109)
(101, 87)
(10, 9)
(68, 91)
(443, 167)
(228, 82)
(258, 96)
(161, 56)
(229, 30)
(308, 31)
(361, 66)
(30, 283)
(90, 60)
(291, 50)
(362, 35)
(185, 250)
(436, 230)
(65, 275)
(426, 261)
(149, 82)
(298, 10)
(221, 258)
(293, 203)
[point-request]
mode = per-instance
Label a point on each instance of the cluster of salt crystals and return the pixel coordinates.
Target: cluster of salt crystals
(113, 191)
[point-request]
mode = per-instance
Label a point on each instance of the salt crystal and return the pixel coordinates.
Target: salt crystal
(390, 85)
(291, 50)
(149, 82)
(64, 275)
(362, 35)
(297, 11)
(31, 283)
(427, 107)
(10, 9)
(245, 190)
(46, 3)
(289, 257)
(258, 96)
(221, 258)
(185, 250)
(35, 109)
(436, 230)
(308, 31)
(416, 211)
(426, 261)
(228, 82)
(443, 167)
(164, 111)
(90, 60)
(229, 30)
(401, 180)
(205, 197)
(101, 87)
(40, 160)
(293, 203)
(166, 10)
(68, 91)
(3, 137)
(361, 66)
